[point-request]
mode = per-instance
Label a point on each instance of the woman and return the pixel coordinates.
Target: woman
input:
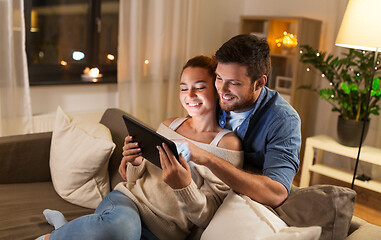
(166, 203)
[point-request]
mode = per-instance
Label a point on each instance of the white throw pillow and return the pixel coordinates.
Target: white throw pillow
(79, 156)
(239, 217)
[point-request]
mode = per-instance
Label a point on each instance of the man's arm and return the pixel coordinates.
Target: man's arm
(259, 188)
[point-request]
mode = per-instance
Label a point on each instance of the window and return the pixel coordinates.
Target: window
(63, 37)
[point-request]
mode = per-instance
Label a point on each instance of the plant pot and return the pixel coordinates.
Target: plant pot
(349, 131)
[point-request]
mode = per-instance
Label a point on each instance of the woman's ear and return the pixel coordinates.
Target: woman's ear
(261, 82)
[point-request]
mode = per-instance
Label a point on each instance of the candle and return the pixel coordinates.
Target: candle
(91, 74)
(94, 72)
(145, 67)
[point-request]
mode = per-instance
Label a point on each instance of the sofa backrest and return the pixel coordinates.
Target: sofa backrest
(25, 158)
(112, 118)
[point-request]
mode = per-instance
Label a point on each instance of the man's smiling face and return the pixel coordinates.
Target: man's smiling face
(236, 91)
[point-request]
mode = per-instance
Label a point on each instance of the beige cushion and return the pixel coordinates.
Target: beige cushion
(366, 231)
(79, 156)
(239, 217)
(330, 207)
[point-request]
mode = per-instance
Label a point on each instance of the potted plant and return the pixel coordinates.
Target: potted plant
(349, 79)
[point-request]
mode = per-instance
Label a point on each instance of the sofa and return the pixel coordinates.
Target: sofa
(26, 187)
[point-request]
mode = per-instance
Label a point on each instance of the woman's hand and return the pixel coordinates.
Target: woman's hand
(175, 173)
(131, 154)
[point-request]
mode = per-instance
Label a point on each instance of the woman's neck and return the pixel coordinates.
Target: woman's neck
(205, 123)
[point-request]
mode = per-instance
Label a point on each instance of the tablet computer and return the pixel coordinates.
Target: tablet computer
(148, 139)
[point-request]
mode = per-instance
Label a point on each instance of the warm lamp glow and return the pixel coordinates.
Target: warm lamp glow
(91, 73)
(360, 27)
(63, 63)
(33, 21)
(145, 67)
(288, 39)
(94, 72)
(110, 57)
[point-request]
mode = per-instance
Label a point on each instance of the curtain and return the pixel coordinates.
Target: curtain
(155, 39)
(15, 107)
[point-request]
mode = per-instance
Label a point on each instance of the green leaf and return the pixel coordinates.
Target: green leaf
(353, 87)
(345, 87)
(347, 90)
(376, 83)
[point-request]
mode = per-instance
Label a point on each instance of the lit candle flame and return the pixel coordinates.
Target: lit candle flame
(94, 72)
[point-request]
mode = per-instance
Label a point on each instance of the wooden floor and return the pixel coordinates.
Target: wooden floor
(367, 205)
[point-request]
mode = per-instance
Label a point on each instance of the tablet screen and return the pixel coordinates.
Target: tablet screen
(148, 140)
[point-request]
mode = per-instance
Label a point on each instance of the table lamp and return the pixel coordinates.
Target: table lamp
(360, 30)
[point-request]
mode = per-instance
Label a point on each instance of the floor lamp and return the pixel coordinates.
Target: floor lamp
(360, 29)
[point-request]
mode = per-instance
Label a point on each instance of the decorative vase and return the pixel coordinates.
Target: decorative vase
(349, 131)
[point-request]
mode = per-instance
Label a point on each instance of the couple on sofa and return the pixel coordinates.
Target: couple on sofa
(166, 203)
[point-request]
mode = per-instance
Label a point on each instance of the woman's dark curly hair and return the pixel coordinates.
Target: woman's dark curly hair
(205, 62)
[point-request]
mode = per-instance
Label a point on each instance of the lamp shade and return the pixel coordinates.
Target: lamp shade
(360, 27)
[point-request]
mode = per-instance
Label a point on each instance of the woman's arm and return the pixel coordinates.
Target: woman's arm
(200, 198)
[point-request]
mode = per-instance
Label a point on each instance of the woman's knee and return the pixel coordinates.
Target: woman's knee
(121, 217)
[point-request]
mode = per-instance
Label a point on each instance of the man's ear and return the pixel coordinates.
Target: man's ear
(261, 82)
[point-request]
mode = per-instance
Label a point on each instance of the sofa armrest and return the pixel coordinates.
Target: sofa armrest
(25, 158)
(361, 229)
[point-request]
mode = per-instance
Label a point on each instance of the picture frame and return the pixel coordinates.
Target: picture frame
(283, 84)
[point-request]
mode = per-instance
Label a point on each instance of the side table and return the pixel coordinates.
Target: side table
(323, 143)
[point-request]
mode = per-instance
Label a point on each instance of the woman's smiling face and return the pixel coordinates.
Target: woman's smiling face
(197, 92)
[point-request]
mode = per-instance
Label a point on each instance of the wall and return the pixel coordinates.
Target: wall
(218, 22)
(73, 98)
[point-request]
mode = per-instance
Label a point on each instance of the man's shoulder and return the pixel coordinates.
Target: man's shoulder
(279, 106)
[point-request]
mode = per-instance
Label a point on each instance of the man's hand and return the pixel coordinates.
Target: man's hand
(198, 155)
(131, 154)
(175, 173)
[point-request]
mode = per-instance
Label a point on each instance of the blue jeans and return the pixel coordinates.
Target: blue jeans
(116, 217)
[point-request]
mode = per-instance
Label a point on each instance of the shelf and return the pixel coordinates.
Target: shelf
(313, 162)
(345, 177)
(368, 154)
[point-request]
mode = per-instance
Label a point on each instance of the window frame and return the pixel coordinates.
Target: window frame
(42, 74)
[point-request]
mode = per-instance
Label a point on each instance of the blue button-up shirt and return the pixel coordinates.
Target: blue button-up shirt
(271, 137)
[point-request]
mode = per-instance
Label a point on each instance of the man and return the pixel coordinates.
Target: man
(267, 125)
(270, 132)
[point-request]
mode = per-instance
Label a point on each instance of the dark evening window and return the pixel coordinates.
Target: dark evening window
(64, 37)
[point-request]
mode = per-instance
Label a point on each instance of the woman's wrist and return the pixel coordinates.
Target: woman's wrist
(137, 161)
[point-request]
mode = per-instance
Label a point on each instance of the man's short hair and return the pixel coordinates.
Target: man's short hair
(247, 50)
